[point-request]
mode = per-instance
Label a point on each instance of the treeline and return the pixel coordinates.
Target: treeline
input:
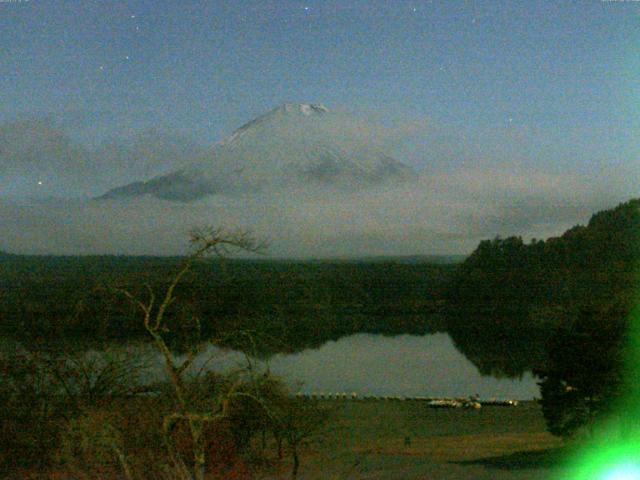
(507, 299)
(301, 304)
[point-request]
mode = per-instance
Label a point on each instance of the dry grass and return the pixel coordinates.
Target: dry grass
(366, 440)
(458, 448)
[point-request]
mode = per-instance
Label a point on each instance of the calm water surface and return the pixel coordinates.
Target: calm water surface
(368, 364)
(405, 365)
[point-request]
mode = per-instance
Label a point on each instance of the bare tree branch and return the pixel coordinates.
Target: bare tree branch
(204, 240)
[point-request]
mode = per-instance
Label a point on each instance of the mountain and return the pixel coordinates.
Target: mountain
(297, 145)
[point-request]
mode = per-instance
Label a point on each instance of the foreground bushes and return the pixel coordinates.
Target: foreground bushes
(30, 412)
(43, 390)
(70, 416)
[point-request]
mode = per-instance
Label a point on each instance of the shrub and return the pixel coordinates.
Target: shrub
(43, 391)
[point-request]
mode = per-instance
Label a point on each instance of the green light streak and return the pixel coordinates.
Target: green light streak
(613, 453)
(617, 462)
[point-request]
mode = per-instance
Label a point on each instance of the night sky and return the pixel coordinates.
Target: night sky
(537, 86)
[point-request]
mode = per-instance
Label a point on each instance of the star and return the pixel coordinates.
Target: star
(415, 9)
(39, 182)
(126, 57)
(101, 67)
(133, 16)
(306, 9)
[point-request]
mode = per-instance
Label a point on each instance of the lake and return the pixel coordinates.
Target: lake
(369, 364)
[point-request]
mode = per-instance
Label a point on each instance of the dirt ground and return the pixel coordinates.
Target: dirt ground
(407, 440)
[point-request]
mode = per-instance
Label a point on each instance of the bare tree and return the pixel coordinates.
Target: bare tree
(295, 421)
(205, 241)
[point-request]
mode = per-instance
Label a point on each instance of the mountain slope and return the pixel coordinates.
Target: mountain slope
(293, 145)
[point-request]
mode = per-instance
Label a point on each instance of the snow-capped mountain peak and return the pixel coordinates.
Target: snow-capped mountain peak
(293, 144)
(305, 108)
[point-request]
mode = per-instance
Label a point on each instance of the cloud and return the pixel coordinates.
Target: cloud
(437, 214)
(37, 158)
